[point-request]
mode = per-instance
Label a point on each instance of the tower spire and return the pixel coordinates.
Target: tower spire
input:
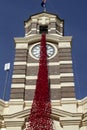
(40, 116)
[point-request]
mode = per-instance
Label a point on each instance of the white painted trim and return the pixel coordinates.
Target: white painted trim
(53, 76)
(19, 63)
(17, 85)
(37, 64)
(71, 100)
(67, 84)
(21, 46)
(18, 76)
(56, 86)
(64, 45)
(13, 100)
(51, 63)
(32, 64)
(65, 62)
(66, 74)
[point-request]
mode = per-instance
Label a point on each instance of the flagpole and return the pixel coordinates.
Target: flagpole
(6, 68)
(44, 9)
(5, 85)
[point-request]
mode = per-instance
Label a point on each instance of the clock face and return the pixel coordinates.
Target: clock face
(36, 51)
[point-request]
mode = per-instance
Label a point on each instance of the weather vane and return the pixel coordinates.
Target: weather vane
(43, 4)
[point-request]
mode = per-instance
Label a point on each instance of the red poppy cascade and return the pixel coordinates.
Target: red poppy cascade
(40, 115)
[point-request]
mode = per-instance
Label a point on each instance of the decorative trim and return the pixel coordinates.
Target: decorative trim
(20, 63)
(18, 76)
(21, 46)
(51, 63)
(68, 84)
(64, 45)
(56, 86)
(17, 85)
(53, 76)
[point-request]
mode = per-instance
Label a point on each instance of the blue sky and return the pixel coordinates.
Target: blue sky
(13, 13)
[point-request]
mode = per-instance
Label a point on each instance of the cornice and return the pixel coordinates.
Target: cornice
(37, 38)
(3, 103)
(70, 121)
(57, 113)
(82, 101)
(42, 14)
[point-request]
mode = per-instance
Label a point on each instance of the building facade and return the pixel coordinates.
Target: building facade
(67, 112)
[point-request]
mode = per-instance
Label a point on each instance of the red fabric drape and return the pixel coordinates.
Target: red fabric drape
(39, 118)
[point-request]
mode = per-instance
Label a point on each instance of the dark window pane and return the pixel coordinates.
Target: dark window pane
(43, 29)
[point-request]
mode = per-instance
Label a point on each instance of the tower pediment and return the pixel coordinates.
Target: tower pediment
(55, 113)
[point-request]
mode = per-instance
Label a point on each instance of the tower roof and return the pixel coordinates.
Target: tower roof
(52, 23)
(43, 14)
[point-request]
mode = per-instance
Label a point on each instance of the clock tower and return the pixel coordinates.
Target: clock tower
(27, 52)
